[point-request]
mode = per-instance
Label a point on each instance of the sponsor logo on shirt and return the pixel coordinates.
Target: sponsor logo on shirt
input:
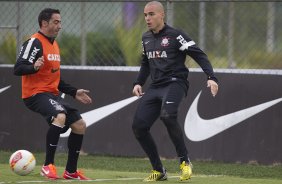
(184, 43)
(33, 54)
(53, 70)
(181, 39)
(53, 57)
(156, 54)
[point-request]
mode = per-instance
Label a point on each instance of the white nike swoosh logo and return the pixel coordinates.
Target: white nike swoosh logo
(5, 88)
(78, 178)
(45, 171)
(198, 129)
(96, 115)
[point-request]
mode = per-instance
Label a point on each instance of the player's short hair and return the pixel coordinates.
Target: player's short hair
(46, 15)
(156, 3)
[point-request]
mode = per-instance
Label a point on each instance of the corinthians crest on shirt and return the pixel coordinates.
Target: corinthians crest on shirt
(165, 41)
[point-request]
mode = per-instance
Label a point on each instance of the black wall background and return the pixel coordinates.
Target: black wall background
(258, 138)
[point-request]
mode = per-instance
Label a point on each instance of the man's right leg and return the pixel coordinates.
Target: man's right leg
(54, 112)
(52, 138)
(146, 114)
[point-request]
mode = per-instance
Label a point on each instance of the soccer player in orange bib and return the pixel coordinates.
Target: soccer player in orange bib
(39, 65)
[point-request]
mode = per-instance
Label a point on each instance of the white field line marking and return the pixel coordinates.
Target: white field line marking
(32, 181)
(101, 180)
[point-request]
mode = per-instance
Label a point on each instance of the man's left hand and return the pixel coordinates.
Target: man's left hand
(214, 87)
(81, 95)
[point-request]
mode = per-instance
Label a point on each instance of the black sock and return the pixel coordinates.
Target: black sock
(52, 139)
(74, 145)
(184, 158)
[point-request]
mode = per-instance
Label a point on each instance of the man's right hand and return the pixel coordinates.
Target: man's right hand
(137, 90)
(39, 63)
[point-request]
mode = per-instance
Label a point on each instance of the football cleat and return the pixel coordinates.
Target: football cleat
(49, 171)
(78, 175)
(156, 176)
(186, 171)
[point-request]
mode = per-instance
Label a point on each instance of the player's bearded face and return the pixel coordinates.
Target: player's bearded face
(153, 17)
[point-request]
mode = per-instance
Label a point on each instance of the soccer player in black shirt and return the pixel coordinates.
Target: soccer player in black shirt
(163, 58)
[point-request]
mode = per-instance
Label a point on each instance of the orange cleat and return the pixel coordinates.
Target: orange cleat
(78, 175)
(49, 171)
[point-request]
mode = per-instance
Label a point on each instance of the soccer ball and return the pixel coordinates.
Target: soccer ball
(22, 162)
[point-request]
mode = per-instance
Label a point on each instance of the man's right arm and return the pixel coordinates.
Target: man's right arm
(142, 75)
(144, 69)
(30, 52)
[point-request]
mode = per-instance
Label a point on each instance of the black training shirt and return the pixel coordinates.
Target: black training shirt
(164, 55)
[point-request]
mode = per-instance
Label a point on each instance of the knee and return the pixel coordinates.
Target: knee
(140, 133)
(165, 115)
(139, 128)
(79, 127)
(136, 128)
(168, 118)
(60, 120)
(137, 123)
(65, 129)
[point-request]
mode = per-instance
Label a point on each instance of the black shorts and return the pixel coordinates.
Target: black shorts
(49, 106)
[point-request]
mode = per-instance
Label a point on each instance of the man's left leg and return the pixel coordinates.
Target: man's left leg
(172, 98)
(74, 145)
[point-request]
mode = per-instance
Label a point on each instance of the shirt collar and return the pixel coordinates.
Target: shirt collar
(161, 31)
(51, 40)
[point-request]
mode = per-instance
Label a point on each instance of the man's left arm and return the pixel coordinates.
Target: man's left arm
(79, 94)
(188, 46)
